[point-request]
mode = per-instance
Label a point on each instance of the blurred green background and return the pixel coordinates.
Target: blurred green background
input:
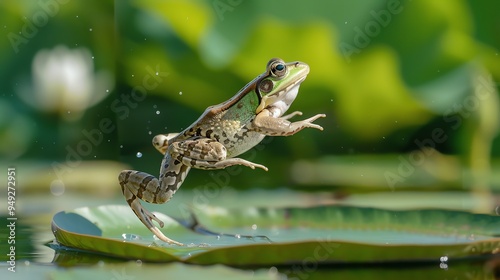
(390, 81)
(410, 90)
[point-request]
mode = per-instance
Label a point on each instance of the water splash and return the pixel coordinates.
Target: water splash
(131, 237)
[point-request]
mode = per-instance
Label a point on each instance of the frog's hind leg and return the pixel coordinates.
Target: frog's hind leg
(160, 141)
(206, 153)
(144, 186)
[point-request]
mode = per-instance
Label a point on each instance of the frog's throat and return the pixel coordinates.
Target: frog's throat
(286, 95)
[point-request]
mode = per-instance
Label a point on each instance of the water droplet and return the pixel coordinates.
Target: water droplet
(218, 237)
(238, 236)
(69, 112)
(121, 146)
(57, 187)
(154, 106)
(345, 22)
(139, 154)
(27, 263)
(107, 90)
(156, 73)
(76, 16)
(180, 92)
(157, 112)
(90, 29)
(130, 236)
(254, 226)
(133, 75)
(443, 259)
(138, 262)
(149, 132)
(273, 270)
(92, 58)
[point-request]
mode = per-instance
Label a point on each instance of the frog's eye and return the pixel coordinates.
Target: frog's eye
(278, 69)
(266, 86)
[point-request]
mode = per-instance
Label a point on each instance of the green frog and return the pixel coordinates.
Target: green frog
(221, 133)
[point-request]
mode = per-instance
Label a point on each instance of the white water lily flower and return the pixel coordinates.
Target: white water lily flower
(65, 83)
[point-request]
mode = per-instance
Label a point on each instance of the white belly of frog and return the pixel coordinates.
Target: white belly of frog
(220, 134)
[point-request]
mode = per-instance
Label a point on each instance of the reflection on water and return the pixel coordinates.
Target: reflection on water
(28, 242)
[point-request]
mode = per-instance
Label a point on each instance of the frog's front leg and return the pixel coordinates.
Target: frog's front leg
(267, 124)
(291, 115)
(206, 153)
(140, 185)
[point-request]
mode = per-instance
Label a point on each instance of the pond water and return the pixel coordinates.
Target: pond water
(35, 259)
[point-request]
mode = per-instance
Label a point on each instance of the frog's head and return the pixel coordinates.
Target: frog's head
(280, 84)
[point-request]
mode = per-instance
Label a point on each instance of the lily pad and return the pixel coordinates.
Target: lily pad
(275, 236)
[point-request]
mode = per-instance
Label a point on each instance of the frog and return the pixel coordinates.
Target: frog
(218, 136)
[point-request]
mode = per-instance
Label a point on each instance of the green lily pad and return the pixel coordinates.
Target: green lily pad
(269, 236)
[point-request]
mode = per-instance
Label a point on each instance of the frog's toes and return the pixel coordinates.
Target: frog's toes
(163, 238)
(261, 167)
(160, 222)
